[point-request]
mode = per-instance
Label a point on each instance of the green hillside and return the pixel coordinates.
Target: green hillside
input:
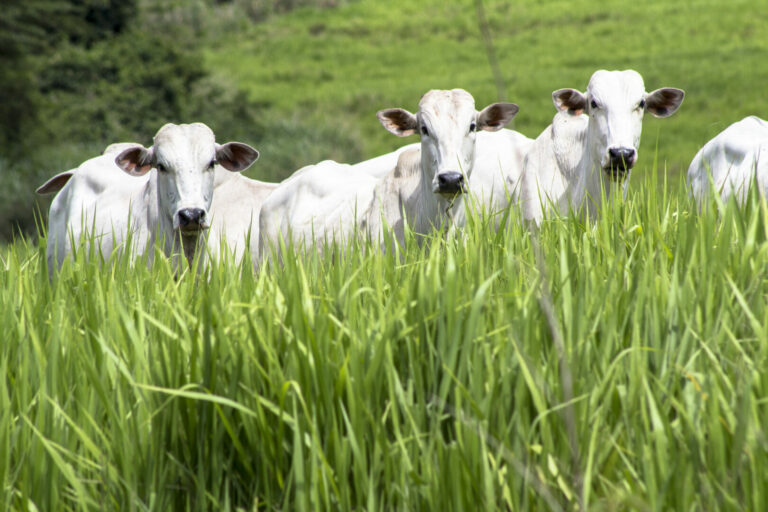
(336, 67)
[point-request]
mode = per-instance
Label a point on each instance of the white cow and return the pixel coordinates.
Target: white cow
(380, 166)
(376, 167)
(331, 201)
(234, 209)
(591, 142)
(114, 197)
(234, 215)
(496, 174)
(735, 158)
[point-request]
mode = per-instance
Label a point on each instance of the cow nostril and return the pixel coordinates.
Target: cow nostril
(621, 154)
(450, 179)
(192, 216)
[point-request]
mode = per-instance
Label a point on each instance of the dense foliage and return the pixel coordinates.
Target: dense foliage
(79, 75)
(31, 33)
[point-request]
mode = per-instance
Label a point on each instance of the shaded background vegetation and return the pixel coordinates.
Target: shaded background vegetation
(302, 79)
(77, 75)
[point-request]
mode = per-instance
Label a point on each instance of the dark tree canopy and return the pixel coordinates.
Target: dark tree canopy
(86, 73)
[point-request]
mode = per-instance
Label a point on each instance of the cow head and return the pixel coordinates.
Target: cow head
(447, 123)
(615, 102)
(184, 156)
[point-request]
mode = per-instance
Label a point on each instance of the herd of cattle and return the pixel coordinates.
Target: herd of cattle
(194, 199)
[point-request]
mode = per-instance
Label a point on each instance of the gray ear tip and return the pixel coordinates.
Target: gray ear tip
(507, 105)
(384, 115)
(676, 91)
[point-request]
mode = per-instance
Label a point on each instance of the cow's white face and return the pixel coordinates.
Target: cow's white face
(615, 102)
(447, 123)
(185, 156)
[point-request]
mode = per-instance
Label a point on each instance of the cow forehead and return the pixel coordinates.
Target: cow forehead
(443, 104)
(611, 86)
(185, 143)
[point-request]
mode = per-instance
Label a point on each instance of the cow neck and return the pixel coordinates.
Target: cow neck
(155, 224)
(222, 176)
(161, 226)
(570, 141)
(424, 203)
(595, 180)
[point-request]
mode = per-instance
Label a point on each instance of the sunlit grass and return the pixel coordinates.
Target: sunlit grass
(428, 380)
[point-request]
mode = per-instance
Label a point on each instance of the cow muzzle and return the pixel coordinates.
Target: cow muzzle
(620, 162)
(450, 183)
(191, 221)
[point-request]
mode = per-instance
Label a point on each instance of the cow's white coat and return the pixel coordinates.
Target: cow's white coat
(496, 174)
(382, 165)
(235, 211)
(735, 159)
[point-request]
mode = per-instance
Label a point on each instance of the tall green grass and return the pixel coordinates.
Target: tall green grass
(430, 380)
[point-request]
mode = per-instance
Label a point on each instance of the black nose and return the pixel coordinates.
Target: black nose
(191, 217)
(622, 157)
(450, 182)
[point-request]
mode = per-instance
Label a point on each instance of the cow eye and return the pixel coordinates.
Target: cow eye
(424, 130)
(212, 164)
(161, 167)
(472, 127)
(593, 104)
(641, 104)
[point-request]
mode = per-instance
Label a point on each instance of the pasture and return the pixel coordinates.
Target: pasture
(446, 379)
(606, 365)
(328, 67)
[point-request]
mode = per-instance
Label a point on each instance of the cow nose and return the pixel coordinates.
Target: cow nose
(191, 217)
(622, 157)
(450, 182)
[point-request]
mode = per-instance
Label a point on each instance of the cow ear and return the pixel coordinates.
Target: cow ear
(570, 100)
(236, 156)
(664, 102)
(54, 184)
(398, 121)
(136, 161)
(495, 117)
